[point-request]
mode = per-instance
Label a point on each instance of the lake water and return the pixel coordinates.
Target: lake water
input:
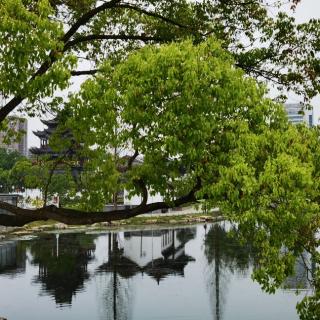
(172, 274)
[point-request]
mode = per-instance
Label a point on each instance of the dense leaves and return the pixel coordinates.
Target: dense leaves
(45, 42)
(171, 105)
(8, 159)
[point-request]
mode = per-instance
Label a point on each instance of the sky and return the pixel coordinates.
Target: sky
(306, 10)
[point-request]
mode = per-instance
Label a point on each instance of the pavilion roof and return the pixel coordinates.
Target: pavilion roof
(41, 134)
(52, 123)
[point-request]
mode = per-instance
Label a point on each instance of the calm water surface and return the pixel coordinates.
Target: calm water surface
(173, 274)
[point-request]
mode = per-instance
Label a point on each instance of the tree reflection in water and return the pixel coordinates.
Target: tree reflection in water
(225, 255)
(62, 261)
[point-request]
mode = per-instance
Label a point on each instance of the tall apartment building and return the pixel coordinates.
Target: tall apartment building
(296, 115)
(17, 124)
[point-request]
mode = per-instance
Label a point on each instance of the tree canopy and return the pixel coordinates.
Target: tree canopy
(45, 42)
(147, 105)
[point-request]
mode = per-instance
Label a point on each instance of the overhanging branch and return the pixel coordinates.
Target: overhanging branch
(21, 216)
(85, 18)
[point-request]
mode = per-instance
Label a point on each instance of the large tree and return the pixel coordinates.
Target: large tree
(45, 42)
(176, 106)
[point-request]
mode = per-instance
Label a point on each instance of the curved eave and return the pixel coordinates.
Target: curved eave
(40, 134)
(50, 123)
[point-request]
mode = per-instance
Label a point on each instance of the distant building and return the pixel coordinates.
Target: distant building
(76, 162)
(44, 136)
(17, 124)
(296, 114)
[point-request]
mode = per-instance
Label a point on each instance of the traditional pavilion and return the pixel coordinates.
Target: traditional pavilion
(44, 137)
(45, 149)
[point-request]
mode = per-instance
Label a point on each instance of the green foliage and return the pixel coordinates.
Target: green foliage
(149, 103)
(8, 159)
(99, 181)
(28, 36)
(26, 174)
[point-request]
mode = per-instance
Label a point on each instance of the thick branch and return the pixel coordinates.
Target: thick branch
(76, 217)
(11, 105)
(85, 18)
(131, 159)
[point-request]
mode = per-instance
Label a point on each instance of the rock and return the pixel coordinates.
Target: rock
(1, 318)
(1, 238)
(47, 227)
(60, 226)
(96, 225)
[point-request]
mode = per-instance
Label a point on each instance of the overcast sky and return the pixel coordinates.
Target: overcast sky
(308, 9)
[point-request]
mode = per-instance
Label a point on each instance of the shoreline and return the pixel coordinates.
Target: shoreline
(149, 220)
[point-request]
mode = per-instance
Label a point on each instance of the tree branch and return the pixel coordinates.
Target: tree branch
(153, 14)
(85, 18)
(94, 37)
(84, 72)
(22, 216)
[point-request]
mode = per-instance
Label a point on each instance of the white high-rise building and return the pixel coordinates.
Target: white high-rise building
(17, 124)
(296, 114)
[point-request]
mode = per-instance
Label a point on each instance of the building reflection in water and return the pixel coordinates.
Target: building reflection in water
(62, 262)
(12, 258)
(63, 265)
(157, 253)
